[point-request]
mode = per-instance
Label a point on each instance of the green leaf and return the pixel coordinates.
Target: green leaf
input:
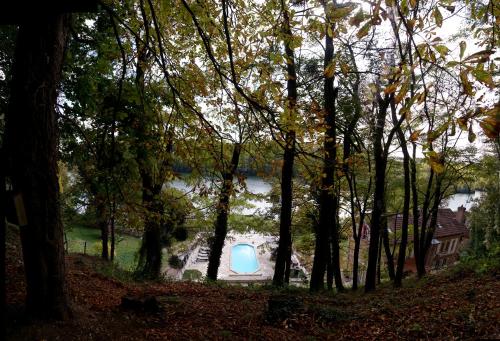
(434, 134)
(484, 77)
(363, 31)
(357, 18)
(443, 50)
(404, 7)
(462, 122)
(479, 57)
(341, 12)
(463, 46)
(435, 161)
(402, 93)
(344, 68)
(437, 167)
(453, 129)
(438, 17)
(472, 136)
(329, 31)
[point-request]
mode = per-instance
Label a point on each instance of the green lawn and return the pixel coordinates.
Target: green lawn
(126, 246)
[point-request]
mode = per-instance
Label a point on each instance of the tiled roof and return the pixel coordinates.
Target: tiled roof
(447, 225)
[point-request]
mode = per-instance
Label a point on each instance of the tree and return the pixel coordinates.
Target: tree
(327, 252)
(406, 205)
(88, 119)
(378, 221)
(153, 158)
(283, 257)
(3, 218)
(7, 47)
(228, 172)
(485, 214)
(31, 139)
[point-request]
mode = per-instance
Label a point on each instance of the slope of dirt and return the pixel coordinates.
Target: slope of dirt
(448, 306)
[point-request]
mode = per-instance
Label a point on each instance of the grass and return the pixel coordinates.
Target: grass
(87, 240)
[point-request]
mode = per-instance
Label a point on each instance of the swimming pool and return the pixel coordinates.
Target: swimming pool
(244, 259)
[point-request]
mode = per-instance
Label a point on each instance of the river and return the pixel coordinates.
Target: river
(257, 185)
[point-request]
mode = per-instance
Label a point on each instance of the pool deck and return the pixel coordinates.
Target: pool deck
(262, 245)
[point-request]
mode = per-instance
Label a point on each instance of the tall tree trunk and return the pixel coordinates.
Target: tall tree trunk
(355, 264)
(285, 241)
(357, 246)
(150, 253)
(288, 265)
(415, 208)
(327, 200)
(357, 229)
(112, 225)
(3, 213)
(387, 246)
(433, 222)
(102, 223)
(398, 280)
(329, 269)
(379, 270)
(337, 274)
(404, 226)
(31, 140)
(420, 261)
(222, 215)
(349, 174)
(149, 265)
(378, 195)
(283, 257)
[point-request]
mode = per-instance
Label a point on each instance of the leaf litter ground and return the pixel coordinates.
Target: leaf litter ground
(452, 305)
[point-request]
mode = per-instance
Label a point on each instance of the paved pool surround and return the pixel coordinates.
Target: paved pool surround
(262, 245)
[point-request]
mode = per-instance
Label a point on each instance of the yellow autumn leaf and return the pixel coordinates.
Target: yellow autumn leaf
(414, 136)
(391, 88)
(330, 70)
(465, 83)
(344, 68)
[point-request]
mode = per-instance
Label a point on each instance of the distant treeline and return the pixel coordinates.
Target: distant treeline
(264, 162)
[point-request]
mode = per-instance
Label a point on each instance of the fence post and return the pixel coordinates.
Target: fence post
(85, 248)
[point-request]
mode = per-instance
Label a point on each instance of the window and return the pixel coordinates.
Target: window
(444, 247)
(453, 246)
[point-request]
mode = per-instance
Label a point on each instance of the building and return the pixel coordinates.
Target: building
(450, 236)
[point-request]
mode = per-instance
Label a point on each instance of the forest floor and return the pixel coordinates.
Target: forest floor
(458, 304)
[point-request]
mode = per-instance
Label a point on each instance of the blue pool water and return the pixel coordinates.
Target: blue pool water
(244, 259)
